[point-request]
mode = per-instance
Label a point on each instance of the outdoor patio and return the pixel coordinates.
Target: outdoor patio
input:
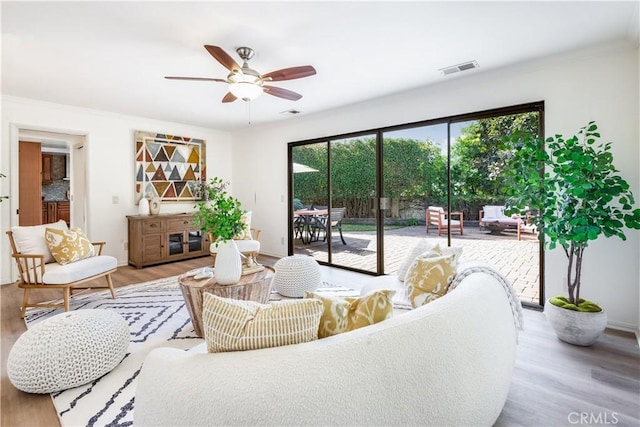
(517, 260)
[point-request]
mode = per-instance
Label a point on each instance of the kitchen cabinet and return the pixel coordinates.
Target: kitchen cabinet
(47, 168)
(156, 239)
(64, 212)
(55, 211)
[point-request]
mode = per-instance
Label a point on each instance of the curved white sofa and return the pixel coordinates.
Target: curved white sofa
(447, 363)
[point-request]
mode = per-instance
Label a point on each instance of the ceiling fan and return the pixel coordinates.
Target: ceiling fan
(246, 83)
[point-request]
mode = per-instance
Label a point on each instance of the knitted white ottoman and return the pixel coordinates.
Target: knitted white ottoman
(296, 274)
(68, 350)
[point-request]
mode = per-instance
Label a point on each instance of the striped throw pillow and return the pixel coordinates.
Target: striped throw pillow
(234, 325)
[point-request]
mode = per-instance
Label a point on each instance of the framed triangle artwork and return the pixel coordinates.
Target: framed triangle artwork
(169, 167)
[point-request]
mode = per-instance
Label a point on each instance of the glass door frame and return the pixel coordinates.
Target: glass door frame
(378, 186)
(537, 106)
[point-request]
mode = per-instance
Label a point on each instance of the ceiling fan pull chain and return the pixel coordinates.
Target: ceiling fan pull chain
(248, 104)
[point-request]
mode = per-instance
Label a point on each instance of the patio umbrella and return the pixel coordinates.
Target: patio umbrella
(300, 168)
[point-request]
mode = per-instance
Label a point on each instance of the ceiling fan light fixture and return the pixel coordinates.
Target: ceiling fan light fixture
(245, 90)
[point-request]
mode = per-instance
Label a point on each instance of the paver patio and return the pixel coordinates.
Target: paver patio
(517, 260)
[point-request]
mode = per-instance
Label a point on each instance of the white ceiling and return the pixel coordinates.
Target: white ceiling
(113, 57)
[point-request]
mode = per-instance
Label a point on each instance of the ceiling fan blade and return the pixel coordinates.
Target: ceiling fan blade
(229, 97)
(206, 79)
(222, 57)
(290, 73)
(282, 93)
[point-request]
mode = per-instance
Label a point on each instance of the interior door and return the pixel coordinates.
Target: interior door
(78, 185)
(29, 183)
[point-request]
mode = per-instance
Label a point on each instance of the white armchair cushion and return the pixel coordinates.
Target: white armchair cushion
(243, 246)
(57, 274)
(491, 212)
(31, 239)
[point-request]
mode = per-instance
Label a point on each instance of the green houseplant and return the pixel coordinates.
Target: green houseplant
(578, 198)
(220, 215)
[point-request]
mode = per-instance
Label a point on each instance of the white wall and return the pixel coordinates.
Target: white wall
(599, 84)
(109, 162)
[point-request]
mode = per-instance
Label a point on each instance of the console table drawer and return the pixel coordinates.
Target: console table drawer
(152, 226)
(180, 224)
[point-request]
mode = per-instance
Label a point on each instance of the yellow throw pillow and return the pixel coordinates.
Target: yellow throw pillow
(245, 234)
(342, 315)
(68, 246)
(233, 325)
(429, 277)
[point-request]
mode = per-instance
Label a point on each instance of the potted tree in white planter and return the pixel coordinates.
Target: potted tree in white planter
(578, 198)
(219, 214)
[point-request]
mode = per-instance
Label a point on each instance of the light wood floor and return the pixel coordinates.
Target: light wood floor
(554, 384)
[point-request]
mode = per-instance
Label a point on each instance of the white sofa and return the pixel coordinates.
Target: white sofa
(446, 363)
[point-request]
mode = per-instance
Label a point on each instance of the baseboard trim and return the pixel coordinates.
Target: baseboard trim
(620, 326)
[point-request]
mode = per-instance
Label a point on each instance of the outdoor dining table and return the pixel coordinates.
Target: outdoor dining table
(307, 216)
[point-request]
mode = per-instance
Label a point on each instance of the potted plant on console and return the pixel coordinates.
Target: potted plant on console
(579, 198)
(219, 214)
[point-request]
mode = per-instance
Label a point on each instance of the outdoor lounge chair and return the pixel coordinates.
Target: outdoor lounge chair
(493, 218)
(437, 217)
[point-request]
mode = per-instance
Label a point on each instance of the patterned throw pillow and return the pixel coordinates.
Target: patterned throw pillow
(425, 246)
(245, 234)
(68, 246)
(234, 325)
(342, 315)
(419, 248)
(429, 276)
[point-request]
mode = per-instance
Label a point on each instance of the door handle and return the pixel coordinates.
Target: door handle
(383, 203)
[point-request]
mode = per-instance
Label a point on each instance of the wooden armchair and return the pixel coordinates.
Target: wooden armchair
(437, 217)
(39, 270)
(250, 248)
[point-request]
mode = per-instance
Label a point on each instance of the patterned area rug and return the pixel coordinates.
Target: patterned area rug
(157, 317)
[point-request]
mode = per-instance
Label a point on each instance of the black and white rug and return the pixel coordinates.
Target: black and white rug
(157, 317)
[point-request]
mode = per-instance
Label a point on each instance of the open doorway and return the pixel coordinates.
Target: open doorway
(51, 178)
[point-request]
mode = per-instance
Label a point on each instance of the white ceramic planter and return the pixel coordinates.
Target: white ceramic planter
(143, 207)
(575, 327)
(228, 265)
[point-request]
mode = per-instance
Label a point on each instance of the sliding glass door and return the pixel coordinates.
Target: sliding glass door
(477, 163)
(334, 202)
(414, 180)
(310, 191)
(362, 201)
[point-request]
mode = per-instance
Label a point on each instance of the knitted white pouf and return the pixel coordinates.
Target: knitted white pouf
(296, 274)
(68, 350)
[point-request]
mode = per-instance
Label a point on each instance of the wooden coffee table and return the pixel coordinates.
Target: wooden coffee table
(254, 287)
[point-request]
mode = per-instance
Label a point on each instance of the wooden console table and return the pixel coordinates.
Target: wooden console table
(156, 239)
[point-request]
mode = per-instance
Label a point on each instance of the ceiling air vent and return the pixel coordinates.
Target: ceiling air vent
(290, 112)
(460, 67)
